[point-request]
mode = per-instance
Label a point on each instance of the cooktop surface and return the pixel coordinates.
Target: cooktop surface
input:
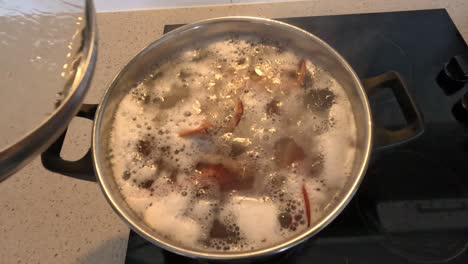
(412, 206)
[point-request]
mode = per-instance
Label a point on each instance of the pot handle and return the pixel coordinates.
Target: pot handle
(81, 169)
(385, 137)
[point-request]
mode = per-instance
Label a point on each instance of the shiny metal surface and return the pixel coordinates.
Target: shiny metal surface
(296, 38)
(16, 155)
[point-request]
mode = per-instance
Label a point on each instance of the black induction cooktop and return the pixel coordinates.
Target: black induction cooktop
(412, 206)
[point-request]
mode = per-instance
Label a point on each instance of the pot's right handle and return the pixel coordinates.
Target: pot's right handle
(385, 137)
(81, 169)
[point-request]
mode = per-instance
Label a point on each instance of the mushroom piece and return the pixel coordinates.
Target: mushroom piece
(287, 151)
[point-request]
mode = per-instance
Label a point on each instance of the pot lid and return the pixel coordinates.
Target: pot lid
(47, 49)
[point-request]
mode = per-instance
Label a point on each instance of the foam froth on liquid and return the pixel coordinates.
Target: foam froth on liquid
(216, 147)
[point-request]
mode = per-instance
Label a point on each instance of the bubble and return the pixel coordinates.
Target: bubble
(285, 220)
(126, 175)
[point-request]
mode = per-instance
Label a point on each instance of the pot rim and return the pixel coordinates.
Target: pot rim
(152, 237)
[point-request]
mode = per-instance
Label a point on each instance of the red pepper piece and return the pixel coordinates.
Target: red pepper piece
(301, 74)
(287, 151)
(306, 203)
(238, 112)
(202, 129)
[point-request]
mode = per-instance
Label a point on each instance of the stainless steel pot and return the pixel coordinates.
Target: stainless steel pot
(307, 43)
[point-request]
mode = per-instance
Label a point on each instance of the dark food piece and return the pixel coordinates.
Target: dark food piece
(144, 147)
(226, 178)
(272, 108)
(146, 184)
(287, 151)
(241, 61)
(290, 74)
(237, 149)
(228, 234)
(319, 99)
(285, 220)
(126, 175)
(219, 230)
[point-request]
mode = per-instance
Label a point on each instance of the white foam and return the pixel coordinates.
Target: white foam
(257, 220)
(336, 144)
(138, 203)
(167, 216)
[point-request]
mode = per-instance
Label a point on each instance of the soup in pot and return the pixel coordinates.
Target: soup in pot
(235, 145)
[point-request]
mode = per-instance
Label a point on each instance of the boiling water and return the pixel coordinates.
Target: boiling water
(236, 145)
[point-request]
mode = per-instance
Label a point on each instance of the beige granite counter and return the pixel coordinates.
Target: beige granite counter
(48, 218)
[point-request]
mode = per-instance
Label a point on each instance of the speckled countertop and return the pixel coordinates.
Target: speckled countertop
(48, 218)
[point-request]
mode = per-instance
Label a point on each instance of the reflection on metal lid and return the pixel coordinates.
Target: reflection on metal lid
(39, 44)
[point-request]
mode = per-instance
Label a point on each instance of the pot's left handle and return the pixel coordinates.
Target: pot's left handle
(80, 169)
